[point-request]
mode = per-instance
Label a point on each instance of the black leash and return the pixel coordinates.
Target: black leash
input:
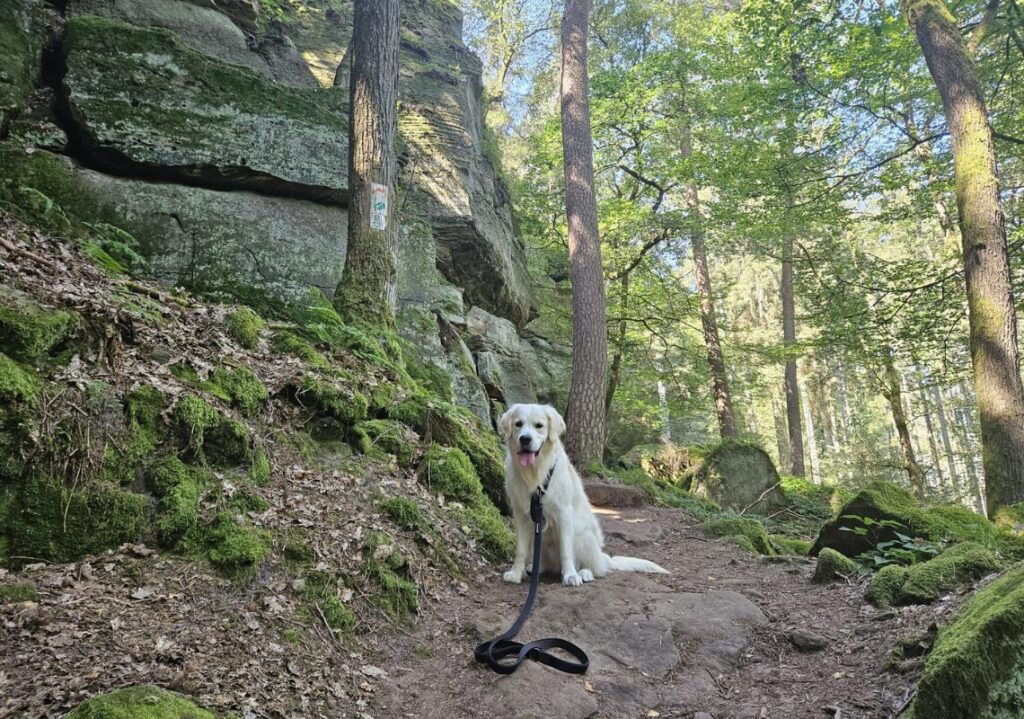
(503, 646)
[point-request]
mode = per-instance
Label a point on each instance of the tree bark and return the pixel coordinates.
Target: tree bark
(995, 354)
(947, 445)
(892, 392)
(367, 291)
(933, 444)
(812, 441)
(796, 435)
(620, 344)
(585, 414)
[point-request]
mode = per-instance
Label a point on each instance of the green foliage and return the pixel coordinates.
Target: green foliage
(391, 437)
(321, 590)
(885, 586)
(332, 401)
(231, 547)
(16, 384)
(448, 471)
(16, 592)
(925, 582)
(242, 387)
(244, 325)
(395, 590)
(142, 702)
(902, 549)
(195, 417)
(832, 565)
(786, 545)
(291, 343)
(748, 533)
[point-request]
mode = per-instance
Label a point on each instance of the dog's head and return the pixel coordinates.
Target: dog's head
(529, 430)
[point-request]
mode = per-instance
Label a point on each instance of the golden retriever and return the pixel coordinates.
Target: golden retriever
(572, 538)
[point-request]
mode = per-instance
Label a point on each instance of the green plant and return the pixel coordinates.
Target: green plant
(903, 550)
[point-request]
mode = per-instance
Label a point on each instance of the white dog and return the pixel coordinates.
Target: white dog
(572, 539)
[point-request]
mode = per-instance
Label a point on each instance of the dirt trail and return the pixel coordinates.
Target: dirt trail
(719, 635)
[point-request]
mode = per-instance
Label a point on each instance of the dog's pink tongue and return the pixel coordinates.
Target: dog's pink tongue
(527, 458)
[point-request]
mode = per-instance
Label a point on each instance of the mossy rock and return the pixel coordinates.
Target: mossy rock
(1011, 518)
(29, 331)
(232, 547)
(395, 591)
(142, 702)
(47, 520)
(291, 343)
(326, 398)
(491, 532)
(792, 546)
(244, 325)
(739, 476)
(23, 32)
(883, 501)
(976, 668)
(884, 588)
(958, 565)
(321, 590)
(447, 470)
(242, 388)
(179, 487)
(753, 536)
(832, 566)
(391, 437)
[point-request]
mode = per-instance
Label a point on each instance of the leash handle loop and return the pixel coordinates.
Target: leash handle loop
(495, 652)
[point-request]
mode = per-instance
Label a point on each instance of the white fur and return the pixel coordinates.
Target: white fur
(572, 541)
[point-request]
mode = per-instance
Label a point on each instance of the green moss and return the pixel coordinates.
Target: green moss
(16, 384)
(391, 437)
(232, 547)
(413, 412)
(244, 325)
(790, 545)
(662, 492)
(17, 592)
(1011, 518)
(329, 400)
(447, 470)
(742, 542)
(259, 472)
(884, 588)
(179, 511)
(958, 565)
(751, 529)
(296, 547)
(402, 510)
(832, 565)
(243, 388)
(195, 417)
(935, 523)
(976, 666)
(455, 427)
(395, 590)
(434, 379)
(28, 331)
(143, 702)
(50, 521)
(291, 343)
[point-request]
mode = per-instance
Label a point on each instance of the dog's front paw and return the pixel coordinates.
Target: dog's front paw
(513, 576)
(572, 580)
(586, 575)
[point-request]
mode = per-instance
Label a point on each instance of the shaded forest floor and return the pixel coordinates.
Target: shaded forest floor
(726, 633)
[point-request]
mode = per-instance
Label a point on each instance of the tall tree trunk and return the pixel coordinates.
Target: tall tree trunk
(620, 344)
(585, 415)
(892, 392)
(968, 444)
(367, 291)
(663, 410)
(796, 435)
(933, 444)
(994, 350)
(781, 441)
(947, 445)
(708, 321)
(812, 441)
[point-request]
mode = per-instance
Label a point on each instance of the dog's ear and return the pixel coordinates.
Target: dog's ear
(557, 423)
(505, 421)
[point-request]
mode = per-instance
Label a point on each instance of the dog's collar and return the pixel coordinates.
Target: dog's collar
(542, 488)
(536, 504)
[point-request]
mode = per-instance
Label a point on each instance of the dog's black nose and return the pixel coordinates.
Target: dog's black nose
(524, 441)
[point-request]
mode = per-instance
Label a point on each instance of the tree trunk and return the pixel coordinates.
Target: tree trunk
(812, 441)
(947, 445)
(663, 410)
(367, 291)
(933, 444)
(781, 442)
(585, 415)
(993, 321)
(796, 435)
(891, 391)
(708, 321)
(620, 344)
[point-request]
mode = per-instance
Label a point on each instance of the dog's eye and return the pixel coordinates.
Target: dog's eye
(519, 423)
(539, 425)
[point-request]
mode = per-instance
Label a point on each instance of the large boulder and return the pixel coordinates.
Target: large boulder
(976, 668)
(229, 243)
(454, 181)
(891, 509)
(739, 476)
(142, 101)
(23, 31)
(925, 582)
(207, 29)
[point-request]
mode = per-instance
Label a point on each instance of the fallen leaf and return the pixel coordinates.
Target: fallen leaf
(372, 671)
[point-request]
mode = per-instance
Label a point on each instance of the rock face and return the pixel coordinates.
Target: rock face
(739, 476)
(234, 128)
(221, 147)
